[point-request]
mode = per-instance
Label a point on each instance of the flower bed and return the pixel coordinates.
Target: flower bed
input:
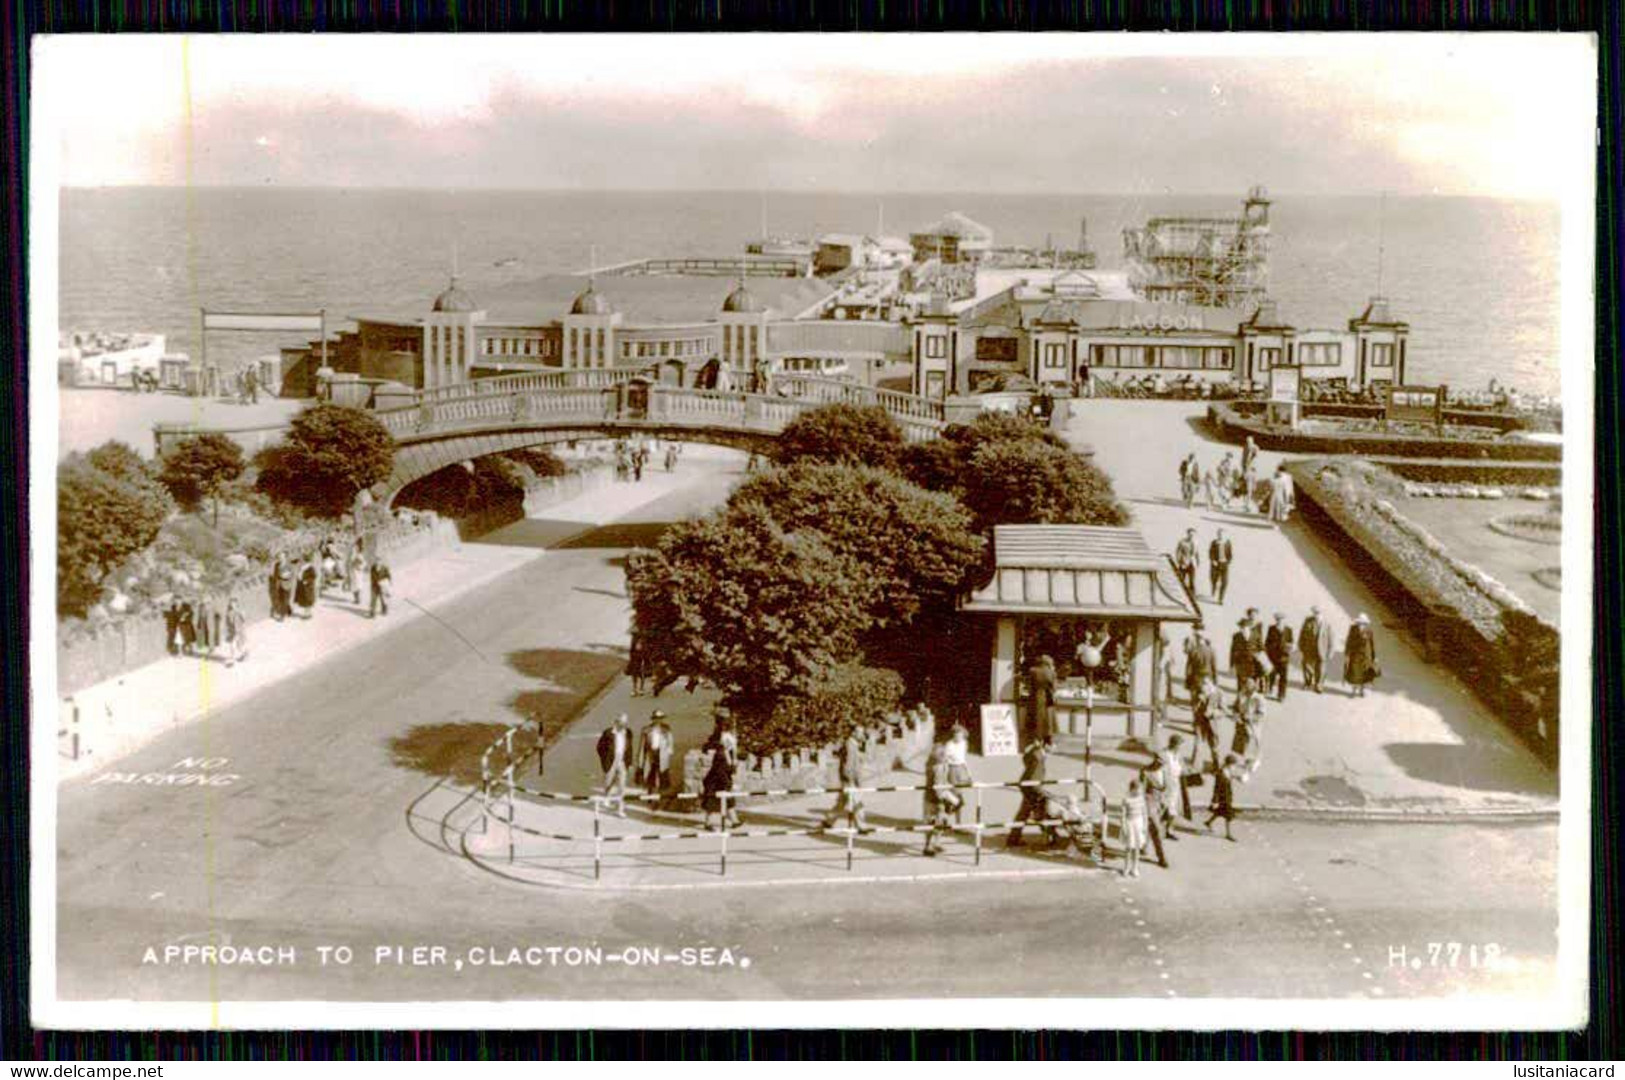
(1233, 422)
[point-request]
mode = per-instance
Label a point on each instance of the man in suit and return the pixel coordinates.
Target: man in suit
(1315, 642)
(615, 758)
(850, 803)
(1219, 554)
(1278, 647)
(1241, 656)
(1186, 560)
(654, 754)
(1198, 664)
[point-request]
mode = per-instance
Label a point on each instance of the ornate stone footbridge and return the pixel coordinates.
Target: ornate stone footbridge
(488, 416)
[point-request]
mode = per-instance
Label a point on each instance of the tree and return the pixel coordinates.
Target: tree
(200, 467)
(942, 464)
(841, 434)
(101, 520)
(330, 453)
(914, 546)
(1027, 481)
(120, 461)
(758, 610)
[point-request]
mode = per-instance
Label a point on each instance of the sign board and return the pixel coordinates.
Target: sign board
(1284, 383)
(1420, 403)
(302, 322)
(999, 737)
(1001, 350)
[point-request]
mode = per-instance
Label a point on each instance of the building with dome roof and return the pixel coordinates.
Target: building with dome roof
(450, 338)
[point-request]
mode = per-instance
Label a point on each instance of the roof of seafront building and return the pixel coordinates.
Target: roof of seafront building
(641, 299)
(1080, 570)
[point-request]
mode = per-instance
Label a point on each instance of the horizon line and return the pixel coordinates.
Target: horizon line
(1274, 195)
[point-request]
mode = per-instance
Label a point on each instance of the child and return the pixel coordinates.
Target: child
(1133, 828)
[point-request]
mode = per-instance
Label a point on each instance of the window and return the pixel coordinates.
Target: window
(1320, 354)
(1182, 357)
(1055, 356)
(1382, 355)
(936, 347)
(1138, 356)
(1268, 358)
(1220, 359)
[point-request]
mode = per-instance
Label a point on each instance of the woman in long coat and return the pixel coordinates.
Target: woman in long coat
(304, 593)
(724, 747)
(1360, 655)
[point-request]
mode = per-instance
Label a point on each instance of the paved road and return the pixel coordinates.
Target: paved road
(306, 830)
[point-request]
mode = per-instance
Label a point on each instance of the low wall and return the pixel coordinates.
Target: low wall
(129, 643)
(1234, 425)
(1446, 635)
(901, 744)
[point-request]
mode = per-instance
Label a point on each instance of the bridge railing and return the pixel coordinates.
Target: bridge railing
(827, 391)
(595, 378)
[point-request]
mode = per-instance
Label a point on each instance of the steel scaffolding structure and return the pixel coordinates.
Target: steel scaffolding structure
(1205, 261)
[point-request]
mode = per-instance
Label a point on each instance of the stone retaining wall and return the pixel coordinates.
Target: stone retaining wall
(902, 742)
(128, 643)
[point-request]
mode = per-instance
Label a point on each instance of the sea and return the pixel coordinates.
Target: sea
(1477, 279)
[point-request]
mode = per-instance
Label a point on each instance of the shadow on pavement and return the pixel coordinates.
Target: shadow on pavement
(569, 677)
(445, 750)
(1476, 766)
(626, 534)
(534, 533)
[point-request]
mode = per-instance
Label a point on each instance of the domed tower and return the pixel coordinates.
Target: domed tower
(589, 330)
(450, 338)
(744, 333)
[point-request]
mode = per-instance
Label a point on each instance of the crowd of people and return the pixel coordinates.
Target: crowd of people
(296, 582)
(198, 624)
(632, 458)
(1235, 485)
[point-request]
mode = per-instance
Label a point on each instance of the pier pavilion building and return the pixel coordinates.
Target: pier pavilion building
(683, 330)
(1073, 329)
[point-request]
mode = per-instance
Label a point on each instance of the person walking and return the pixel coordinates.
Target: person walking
(378, 579)
(1219, 555)
(304, 594)
(615, 758)
(637, 662)
(1033, 794)
(1278, 646)
(957, 752)
(1242, 656)
(1041, 680)
(1203, 709)
(1133, 826)
(1154, 787)
(274, 581)
(1176, 800)
(1249, 454)
(205, 633)
(236, 633)
(1211, 486)
(671, 456)
(1190, 474)
(1186, 560)
(1283, 496)
(1315, 645)
(354, 558)
(719, 777)
(1223, 805)
(1248, 712)
(185, 627)
(850, 802)
(941, 799)
(654, 756)
(1360, 656)
(1225, 478)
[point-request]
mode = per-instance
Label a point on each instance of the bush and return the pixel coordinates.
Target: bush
(913, 546)
(330, 453)
(101, 521)
(121, 462)
(200, 468)
(540, 460)
(841, 434)
(944, 464)
(1030, 482)
(460, 491)
(738, 600)
(839, 699)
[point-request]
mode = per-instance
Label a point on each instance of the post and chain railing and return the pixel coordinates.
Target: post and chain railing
(500, 786)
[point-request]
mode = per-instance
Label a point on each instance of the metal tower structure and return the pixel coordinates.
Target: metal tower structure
(1205, 261)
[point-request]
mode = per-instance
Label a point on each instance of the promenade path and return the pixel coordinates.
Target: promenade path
(1419, 740)
(126, 712)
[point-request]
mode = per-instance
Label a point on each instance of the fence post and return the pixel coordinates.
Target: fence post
(724, 852)
(851, 832)
(597, 842)
(1088, 737)
(508, 776)
(978, 826)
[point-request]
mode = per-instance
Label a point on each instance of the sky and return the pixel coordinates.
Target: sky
(1488, 115)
